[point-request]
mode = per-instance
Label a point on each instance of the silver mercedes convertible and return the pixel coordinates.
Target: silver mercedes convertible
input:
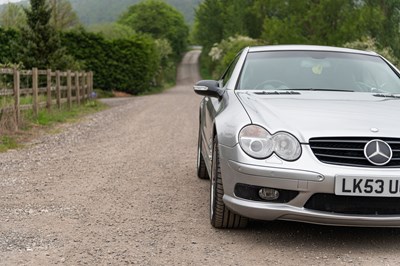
(302, 133)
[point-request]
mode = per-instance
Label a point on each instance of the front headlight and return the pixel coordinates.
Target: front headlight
(286, 146)
(256, 141)
(260, 144)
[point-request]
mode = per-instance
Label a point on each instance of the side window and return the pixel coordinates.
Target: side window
(228, 72)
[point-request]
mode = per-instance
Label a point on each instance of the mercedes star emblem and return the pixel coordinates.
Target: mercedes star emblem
(378, 152)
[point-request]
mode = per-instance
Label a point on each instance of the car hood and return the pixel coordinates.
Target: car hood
(324, 114)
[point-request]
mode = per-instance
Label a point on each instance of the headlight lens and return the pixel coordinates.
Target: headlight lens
(286, 146)
(260, 144)
(256, 141)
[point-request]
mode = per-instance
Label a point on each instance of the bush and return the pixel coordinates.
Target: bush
(370, 44)
(127, 65)
(133, 64)
(166, 70)
(92, 51)
(223, 53)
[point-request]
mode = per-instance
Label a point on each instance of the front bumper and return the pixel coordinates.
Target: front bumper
(308, 176)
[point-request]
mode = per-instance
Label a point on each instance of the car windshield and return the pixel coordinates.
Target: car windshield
(316, 70)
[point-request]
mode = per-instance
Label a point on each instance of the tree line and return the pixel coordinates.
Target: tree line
(125, 55)
(92, 11)
(223, 26)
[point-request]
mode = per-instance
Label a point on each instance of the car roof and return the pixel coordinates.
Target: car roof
(308, 48)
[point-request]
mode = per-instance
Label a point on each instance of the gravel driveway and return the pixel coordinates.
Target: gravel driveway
(120, 188)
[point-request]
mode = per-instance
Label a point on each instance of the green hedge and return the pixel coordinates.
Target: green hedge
(127, 65)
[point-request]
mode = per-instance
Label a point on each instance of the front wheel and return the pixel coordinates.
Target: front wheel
(220, 215)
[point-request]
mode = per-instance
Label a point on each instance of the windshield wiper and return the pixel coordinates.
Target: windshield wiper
(277, 92)
(316, 89)
(387, 95)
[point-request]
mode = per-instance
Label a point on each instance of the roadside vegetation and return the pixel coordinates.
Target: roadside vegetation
(225, 27)
(127, 56)
(44, 122)
(130, 55)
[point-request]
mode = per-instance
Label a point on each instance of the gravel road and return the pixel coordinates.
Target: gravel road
(120, 188)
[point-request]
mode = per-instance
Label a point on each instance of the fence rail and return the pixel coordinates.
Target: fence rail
(45, 87)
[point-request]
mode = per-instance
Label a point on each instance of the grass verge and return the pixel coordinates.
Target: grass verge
(8, 142)
(46, 122)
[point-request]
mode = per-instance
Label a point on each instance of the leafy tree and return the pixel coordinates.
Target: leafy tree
(328, 22)
(62, 15)
(388, 36)
(216, 20)
(331, 22)
(160, 20)
(215, 25)
(7, 48)
(324, 22)
(93, 12)
(12, 16)
(186, 7)
(40, 44)
(208, 25)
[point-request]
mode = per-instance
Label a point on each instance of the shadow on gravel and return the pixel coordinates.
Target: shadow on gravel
(294, 234)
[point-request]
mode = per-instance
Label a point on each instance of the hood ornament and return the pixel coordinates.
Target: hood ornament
(374, 130)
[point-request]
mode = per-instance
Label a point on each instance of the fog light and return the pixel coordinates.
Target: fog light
(268, 194)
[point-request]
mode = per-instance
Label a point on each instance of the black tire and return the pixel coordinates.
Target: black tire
(220, 215)
(202, 172)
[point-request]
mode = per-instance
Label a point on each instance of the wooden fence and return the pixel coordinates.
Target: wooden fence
(46, 88)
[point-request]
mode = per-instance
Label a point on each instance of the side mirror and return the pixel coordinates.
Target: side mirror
(208, 88)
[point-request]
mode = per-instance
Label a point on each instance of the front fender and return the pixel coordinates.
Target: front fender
(230, 119)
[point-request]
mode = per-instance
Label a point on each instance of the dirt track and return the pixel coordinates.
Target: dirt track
(120, 188)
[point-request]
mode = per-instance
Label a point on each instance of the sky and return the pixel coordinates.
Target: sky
(6, 1)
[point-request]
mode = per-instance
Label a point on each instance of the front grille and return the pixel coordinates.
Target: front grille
(250, 192)
(350, 151)
(354, 204)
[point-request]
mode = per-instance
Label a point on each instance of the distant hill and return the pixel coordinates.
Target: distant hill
(103, 11)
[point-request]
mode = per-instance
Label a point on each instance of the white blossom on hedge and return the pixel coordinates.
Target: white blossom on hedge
(370, 44)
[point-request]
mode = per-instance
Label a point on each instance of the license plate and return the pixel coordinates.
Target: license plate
(367, 186)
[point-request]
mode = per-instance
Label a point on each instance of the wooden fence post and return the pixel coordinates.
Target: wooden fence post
(91, 81)
(89, 92)
(84, 86)
(78, 95)
(48, 104)
(69, 89)
(17, 98)
(35, 88)
(58, 89)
